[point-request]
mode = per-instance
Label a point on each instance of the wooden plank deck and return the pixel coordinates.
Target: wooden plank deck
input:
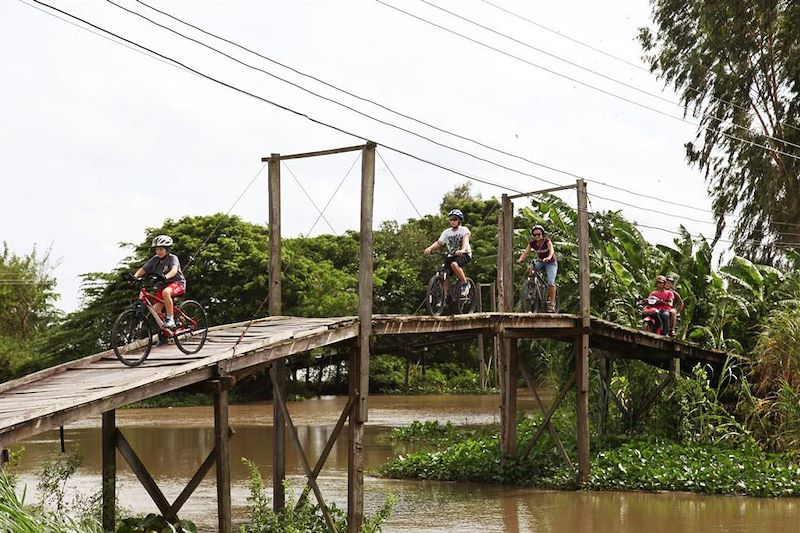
(89, 386)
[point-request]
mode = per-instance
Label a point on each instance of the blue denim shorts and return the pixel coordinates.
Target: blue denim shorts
(550, 270)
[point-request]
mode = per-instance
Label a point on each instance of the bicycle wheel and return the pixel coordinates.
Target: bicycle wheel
(191, 327)
(467, 304)
(526, 296)
(538, 299)
(132, 337)
(436, 299)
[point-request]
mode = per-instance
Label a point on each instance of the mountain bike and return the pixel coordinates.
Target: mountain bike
(533, 294)
(442, 290)
(132, 333)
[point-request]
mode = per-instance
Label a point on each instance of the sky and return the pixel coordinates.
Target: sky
(99, 142)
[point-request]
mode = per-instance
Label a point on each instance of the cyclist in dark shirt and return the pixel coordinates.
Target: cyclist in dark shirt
(545, 260)
(169, 266)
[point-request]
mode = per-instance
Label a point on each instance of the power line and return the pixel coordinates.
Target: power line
(427, 124)
(336, 102)
(600, 74)
(567, 37)
(285, 108)
(296, 180)
(612, 56)
(398, 184)
(585, 84)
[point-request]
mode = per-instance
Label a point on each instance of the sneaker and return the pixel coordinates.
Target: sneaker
(551, 308)
(169, 322)
(464, 290)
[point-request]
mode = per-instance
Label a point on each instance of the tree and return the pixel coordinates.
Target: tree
(27, 307)
(736, 66)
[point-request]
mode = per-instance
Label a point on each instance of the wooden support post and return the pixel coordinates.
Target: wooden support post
(109, 471)
(275, 304)
(495, 357)
(508, 347)
(355, 455)
(359, 361)
(481, 347)
(582, 341)
(222, 460)
(365, 269)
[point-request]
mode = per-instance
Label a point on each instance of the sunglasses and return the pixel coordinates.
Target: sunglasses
(537, 234)
(454, 219)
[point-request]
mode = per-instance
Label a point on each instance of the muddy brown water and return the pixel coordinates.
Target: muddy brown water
(172, 442)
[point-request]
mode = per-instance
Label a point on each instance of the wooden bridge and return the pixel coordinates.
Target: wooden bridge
(99, 384)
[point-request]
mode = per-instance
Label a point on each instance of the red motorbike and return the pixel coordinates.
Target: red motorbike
(651, 321)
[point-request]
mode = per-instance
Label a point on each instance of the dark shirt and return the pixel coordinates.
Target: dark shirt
(541, 249)
(157, 265)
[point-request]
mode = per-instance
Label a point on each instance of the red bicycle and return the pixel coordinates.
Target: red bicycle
(132, 333)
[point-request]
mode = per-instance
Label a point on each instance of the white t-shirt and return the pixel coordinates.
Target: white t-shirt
(451, 239)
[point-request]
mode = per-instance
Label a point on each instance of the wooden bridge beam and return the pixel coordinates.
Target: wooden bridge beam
(508, 348)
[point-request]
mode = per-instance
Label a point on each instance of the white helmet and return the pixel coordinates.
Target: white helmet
(162, 240)
(456, 213)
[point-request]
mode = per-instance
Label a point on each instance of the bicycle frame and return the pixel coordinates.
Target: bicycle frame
(148, 300)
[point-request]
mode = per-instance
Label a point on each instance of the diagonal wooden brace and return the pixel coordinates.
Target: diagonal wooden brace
(651, 398)
(169, 512)
(278, 398)
(556, 403)
(550, 427)
(348, 408)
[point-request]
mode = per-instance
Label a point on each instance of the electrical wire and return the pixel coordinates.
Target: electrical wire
(617, 58)
(588, 85)
(336, 102)
(280, 106)
(600, 74)
(427, 124)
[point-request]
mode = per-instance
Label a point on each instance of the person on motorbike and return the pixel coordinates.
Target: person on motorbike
(455, 239)
(169, 266)
(678, 305)
(663, 303)
(545, 261)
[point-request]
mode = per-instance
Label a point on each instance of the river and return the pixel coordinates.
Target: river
(172, 442)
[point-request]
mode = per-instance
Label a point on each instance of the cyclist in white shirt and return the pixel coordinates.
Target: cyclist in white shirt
(455, 239)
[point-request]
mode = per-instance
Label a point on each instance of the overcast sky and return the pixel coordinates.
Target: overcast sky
(99, 142)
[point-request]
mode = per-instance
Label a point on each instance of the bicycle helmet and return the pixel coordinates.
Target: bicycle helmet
(162, 240)
(540, 228)
(456, 213)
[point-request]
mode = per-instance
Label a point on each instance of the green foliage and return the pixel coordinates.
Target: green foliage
(27, 308)
(736, 66)
(430, 431)
(303, 518)
(50, 514)
(703, 419)
(658, 464)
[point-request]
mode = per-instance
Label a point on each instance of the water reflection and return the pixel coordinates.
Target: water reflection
(173, 442)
